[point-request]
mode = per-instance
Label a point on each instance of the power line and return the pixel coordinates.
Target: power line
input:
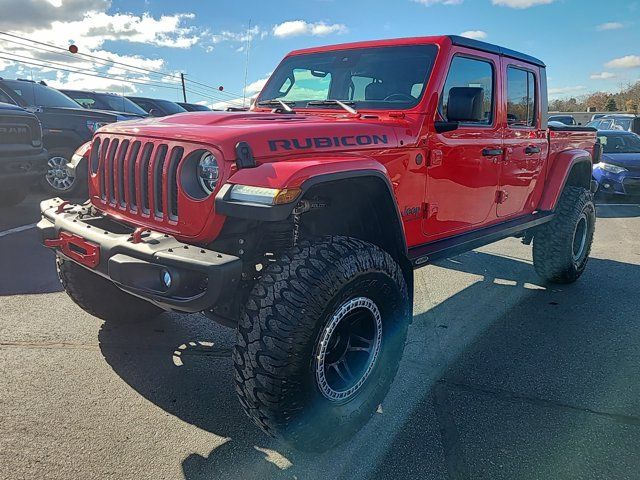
(69, 54)
(219, 100)
(80, 72)
(211, 94)
(216, 99)
(221, 92)
(221, 95)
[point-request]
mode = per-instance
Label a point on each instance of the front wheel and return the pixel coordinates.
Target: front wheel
(561, 247)
(58, 180)
(320, 341)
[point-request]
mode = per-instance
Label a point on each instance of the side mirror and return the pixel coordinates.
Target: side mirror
(465, 104)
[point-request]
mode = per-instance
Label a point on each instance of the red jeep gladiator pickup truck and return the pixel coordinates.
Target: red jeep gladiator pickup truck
(299, 223)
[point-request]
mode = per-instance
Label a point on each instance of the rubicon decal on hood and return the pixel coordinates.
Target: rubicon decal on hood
(327, 142)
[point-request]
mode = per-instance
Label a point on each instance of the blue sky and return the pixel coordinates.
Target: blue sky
(587, 46)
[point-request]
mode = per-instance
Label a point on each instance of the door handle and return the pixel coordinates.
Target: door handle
(531, 150)
(492, 152)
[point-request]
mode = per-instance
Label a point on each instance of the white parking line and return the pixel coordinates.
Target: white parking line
(17, 230)
(617, 205)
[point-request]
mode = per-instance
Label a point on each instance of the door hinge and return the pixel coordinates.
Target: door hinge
(429, 209)
(501, 196)
(434, 158)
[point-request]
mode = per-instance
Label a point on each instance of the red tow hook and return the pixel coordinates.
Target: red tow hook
(136, 236)
(76, 248)
(60, 208)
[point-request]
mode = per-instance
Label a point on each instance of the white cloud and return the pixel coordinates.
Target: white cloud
(255, 87)
(251, 91)
(234, 102)
(33, 14)
(89, 29)
(521, 3)
(78, 81)
(295, 28)
(428, 3)
(563, 91)
(629, 61)
(602, 76)
(609, 26)
(474, 34)
(98, 27)
(242, 36)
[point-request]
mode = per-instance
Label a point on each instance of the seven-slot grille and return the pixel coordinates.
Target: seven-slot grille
(138, 176)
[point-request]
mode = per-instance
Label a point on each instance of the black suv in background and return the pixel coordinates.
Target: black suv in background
(156, 107)
(194, 107)
(65, 126)
(23, 160)
(106, 101)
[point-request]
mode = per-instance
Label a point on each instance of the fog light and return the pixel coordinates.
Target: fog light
(166, 278)
(607, 185)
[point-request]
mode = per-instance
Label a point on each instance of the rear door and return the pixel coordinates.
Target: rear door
(463, 166)
(525, 143)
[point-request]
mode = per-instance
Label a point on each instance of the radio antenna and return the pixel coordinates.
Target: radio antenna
(246, 65)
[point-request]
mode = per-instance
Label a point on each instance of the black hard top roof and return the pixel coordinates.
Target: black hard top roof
(491, 48)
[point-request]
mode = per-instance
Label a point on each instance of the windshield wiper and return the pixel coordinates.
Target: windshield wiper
(276, 102)
(344, 105)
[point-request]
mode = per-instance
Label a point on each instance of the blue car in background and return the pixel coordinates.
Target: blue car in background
(618, 172)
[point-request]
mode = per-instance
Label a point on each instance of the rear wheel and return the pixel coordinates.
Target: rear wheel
(13, 196)
(320, 341)
(561, 247)
(100, 297)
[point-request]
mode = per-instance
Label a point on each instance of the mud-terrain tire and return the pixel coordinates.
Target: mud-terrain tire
(101, 298)
(12, 197)
(561, 247)
(340, 292)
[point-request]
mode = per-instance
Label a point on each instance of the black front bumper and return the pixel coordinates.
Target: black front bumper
(18, 169)
(199, 277)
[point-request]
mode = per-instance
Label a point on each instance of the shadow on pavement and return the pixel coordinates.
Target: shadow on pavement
(617, 211)
(623, 206)
(505, 379)
(26, 266)
(548, 390)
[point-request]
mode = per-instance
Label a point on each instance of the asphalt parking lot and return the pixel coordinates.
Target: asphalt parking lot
(502, 378)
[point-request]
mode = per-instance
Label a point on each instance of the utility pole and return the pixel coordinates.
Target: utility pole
(184, 90)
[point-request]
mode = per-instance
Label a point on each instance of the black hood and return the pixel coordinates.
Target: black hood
(99, 115)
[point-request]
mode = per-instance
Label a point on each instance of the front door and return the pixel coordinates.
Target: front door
(525, 143)
(463, 165)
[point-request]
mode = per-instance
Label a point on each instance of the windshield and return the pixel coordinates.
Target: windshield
(622, 123)
(563, 119)
(105, 101)
(367, 78)
(620, 143)
(119, 104)
(194, 107)
(170, 107)
(38, 95)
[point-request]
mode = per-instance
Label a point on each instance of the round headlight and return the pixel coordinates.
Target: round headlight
(208, 172)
